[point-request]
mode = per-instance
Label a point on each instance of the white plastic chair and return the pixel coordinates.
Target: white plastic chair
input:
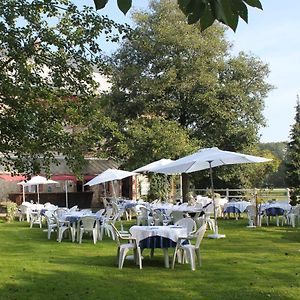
(191, 251)
(24, 212)
(296, 212)
(62, 227)
(123, 249)
(51, 223)
(88, 225)
(35, 218)
(143, 217)
(106, 219)
(251, 213)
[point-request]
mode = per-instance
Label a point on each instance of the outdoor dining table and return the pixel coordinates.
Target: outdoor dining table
(236, 207)
(274, 209)
(74, 217)
(167, 209)
(162, 237)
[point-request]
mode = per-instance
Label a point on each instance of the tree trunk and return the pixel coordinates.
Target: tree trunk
(185, 186)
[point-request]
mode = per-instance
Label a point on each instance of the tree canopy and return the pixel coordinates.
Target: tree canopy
(48, 96)
(277, 178)
(173, 71)
(206, 12)
(177, 72)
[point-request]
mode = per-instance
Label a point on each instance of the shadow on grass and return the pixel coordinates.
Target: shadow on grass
(92, 283)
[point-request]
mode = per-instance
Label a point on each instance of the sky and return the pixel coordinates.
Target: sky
(271, 34)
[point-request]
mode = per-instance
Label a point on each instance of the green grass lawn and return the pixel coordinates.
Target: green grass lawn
(261, 263)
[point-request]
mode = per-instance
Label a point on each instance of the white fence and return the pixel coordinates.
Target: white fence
(248, 194)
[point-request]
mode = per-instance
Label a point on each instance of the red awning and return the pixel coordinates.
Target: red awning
(64, 177)
(8, 177)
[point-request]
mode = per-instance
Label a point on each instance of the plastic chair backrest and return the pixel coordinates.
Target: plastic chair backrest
(199, 235)
(24, 209)
(115, 207)
(109, 212)
(117, 234)
(60, 212)
(251, 210)
(209, 208)
(73, 208)
(50, 219)
(296, 210)
(100, 212)
(187, 223)
(144, 211)
(87, 222)
(105, 202)
(158, 215)
(176, 216)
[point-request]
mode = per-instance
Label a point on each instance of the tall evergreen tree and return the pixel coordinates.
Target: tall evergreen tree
(293, 152)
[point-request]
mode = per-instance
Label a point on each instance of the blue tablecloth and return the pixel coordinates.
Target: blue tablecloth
(274, 211)
(157, 242)
(232, 209)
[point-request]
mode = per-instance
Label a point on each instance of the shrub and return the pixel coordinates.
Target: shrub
(11, 209)
(294, 193)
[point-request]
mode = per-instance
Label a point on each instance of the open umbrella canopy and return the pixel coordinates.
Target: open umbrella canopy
(154, 165)
(36, 180)
(206, 158)
(110, 175)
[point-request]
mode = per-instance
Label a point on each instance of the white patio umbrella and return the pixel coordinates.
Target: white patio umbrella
(36, 180)
(110, 175)
(154, 165)
(207, 159)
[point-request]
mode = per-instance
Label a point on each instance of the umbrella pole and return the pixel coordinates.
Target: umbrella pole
(23, 187)
(38, 193)
(66, 189)
(113, 188)
(104, 190)
(213, 196)
(181, 191)
(216, 234)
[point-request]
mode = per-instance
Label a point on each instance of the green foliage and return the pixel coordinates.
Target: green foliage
(159, 187)
(227, 12)
(278, 148)
(150, 139)
(11, 210)
(276, 179)
(294, 196)
(293, 152)
(48, 96)
(175, 71)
